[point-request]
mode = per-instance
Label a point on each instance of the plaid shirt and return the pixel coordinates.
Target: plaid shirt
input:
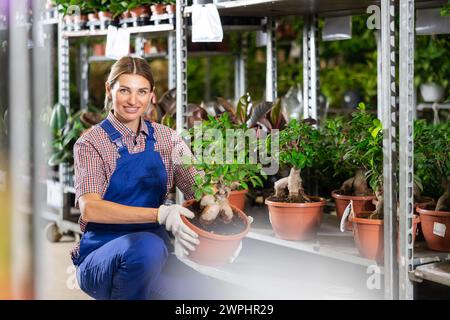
(95, 158)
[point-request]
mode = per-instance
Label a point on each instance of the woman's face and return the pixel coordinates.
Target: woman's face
(131, 95)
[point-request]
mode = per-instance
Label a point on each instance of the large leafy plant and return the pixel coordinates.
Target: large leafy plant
(432, 160)
(221, 173)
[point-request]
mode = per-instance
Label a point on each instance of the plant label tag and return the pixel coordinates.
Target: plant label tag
(439, 229)
(117, 42)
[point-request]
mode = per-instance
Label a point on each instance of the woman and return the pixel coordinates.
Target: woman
(124, 168)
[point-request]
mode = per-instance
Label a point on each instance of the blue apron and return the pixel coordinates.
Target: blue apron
(139, 180)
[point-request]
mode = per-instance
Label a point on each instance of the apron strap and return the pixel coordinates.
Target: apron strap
(113, 134)
(150, 143)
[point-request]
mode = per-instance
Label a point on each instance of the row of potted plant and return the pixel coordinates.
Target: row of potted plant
(94, 10)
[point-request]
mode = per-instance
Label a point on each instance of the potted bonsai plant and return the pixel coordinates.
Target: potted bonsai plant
(367, 152)
(219, 224)
(433, 169)
(335, 162)
(295, 215)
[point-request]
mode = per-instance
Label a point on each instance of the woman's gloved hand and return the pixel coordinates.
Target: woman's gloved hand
(170, 217)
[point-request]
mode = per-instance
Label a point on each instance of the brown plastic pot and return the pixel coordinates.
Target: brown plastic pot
(141, 11)
(158, 8)
(215, 249)
(237, 198)
(296, 221)
(425, 202)
(360, 204)
(105, 15)
(171, 8)
(369, 235)
(435, 228)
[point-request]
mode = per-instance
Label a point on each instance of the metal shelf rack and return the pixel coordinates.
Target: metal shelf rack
(392, 104)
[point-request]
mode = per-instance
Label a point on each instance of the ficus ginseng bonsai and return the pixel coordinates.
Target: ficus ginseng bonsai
(298, 151)
(432, 161)
(364, 150)
(219, 176)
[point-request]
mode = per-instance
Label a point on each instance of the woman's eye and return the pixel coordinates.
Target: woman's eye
(123, 91)
(142, 92)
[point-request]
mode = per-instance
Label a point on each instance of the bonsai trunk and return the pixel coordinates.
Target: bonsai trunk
(379, 206)
(358, 184)
(295, 186)
(214, 205)
(443, 202)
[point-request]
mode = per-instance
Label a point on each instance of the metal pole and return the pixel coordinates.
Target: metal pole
(84, 76)
(406, 163)
(389, 148)
(63, 68)
(271, 61)
(20, 141)
(310, 67)
(172, 60)
(379, 76)
(181, 59)
(41, 82)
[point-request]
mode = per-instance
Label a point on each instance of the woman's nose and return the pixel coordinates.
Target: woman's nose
(132, 98)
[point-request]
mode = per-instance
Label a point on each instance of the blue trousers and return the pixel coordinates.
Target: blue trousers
(137, 266)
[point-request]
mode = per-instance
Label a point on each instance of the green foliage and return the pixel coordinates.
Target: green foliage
(298, 144)
(332, 148)
(431, 156)
(223, 173)
(431, 60)
(365, 146)
(65, 130)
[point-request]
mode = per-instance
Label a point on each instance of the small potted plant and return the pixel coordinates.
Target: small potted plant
(433, 169)
(335, 161)
(158, 8)
(295, 215)
(171, 6)
(220, 225)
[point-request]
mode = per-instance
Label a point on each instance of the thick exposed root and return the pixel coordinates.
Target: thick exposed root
(216, 205)
(443, 202)
(356, 185)
(378, 213)
(294, 184)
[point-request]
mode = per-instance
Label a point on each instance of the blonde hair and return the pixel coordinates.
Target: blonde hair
(128, 65)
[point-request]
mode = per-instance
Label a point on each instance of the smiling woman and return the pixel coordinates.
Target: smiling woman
(124, 167)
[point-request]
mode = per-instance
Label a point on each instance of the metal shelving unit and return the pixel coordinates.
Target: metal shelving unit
(397, 276)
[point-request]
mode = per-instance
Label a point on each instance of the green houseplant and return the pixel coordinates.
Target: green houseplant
(220, 225)
(432, 166)
(295, 215)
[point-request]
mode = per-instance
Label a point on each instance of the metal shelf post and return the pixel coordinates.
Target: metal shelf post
(310, 67)
(406, 147)
(389, 103)
(271, 61)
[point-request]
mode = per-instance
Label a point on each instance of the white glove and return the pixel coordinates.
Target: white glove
(184, 236)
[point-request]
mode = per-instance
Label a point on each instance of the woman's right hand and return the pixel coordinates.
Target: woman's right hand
(170, 217)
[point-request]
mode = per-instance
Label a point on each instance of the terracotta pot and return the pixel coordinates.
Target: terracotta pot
(237, 198)
(296, 221)
(425, 202)
(435, 228)
(369, 235)
(126, 15)
(171, 8)
(99, 49)
(158, 9)
(92, 16)
(360, 204)
(105, 15)
(68, 19)
(141, 11)
(79, 18)
(215, 249)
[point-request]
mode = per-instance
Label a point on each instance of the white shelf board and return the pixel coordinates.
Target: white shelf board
(161, 28)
